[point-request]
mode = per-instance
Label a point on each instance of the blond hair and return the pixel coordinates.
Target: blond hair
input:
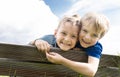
(73, 19)
(100, 22)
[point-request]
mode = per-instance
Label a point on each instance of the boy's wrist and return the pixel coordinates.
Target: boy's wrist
(34, 41)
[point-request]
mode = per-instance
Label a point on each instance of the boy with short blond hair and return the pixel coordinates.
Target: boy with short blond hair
(65, 36)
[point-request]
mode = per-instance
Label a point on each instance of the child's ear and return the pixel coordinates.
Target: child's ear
(55, 32)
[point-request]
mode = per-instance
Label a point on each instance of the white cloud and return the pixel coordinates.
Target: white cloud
(93, 5)
(24, 20)
(111, 41)
(78, 6)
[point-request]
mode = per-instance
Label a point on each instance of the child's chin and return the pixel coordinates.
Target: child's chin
(84, 46)
(65, 49)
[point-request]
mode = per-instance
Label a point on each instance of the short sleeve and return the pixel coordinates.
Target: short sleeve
(95, 51)
(49, 38)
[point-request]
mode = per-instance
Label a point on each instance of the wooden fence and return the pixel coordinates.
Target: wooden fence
(27, 61)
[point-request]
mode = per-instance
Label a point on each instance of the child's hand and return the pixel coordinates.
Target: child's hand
(54, 57)
(42, 45)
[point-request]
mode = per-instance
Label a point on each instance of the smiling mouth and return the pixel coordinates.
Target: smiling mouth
(65, 44)
(85, 42)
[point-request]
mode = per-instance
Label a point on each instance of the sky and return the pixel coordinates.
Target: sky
(24, 20)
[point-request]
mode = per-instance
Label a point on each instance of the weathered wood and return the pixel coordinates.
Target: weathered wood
(30, 53)
(110, 60)
(27, 61)
(31, 69)
(108, 72)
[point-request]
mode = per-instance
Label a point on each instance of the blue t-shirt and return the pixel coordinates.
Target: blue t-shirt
(94, 51)
(50, 39)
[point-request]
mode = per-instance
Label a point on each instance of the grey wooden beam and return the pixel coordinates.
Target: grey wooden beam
(27, 61)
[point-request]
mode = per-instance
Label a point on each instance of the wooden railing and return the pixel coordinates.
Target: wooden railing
(27, 61)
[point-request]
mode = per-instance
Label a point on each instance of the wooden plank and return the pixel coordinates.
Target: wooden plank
(30, 53)
(27, 61)
(108, 72)
(110, 61)
(32, 69)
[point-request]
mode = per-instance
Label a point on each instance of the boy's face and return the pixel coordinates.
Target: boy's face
(88, 35)
(67, 36)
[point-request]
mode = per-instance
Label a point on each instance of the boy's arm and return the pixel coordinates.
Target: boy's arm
(88, 69)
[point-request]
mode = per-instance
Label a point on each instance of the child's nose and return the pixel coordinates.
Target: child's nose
(87, 37)
(67, 38)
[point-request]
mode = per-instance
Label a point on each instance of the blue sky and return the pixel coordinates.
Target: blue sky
(24, 20)
(58, 7)
(108, 7)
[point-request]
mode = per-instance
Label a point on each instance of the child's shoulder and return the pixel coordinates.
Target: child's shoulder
(98, 45)
(49, 38)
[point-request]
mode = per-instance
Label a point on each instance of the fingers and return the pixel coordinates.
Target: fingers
(51, 56)
(51, 53)
(54, 57)
(42, 45)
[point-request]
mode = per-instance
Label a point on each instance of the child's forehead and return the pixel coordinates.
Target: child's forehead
(93, 26)
(88, 23)
(70, 25)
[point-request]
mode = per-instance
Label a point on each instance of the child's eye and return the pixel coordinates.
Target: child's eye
(73, 36)
(85, 31)
(63, 33)
(95, 35)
